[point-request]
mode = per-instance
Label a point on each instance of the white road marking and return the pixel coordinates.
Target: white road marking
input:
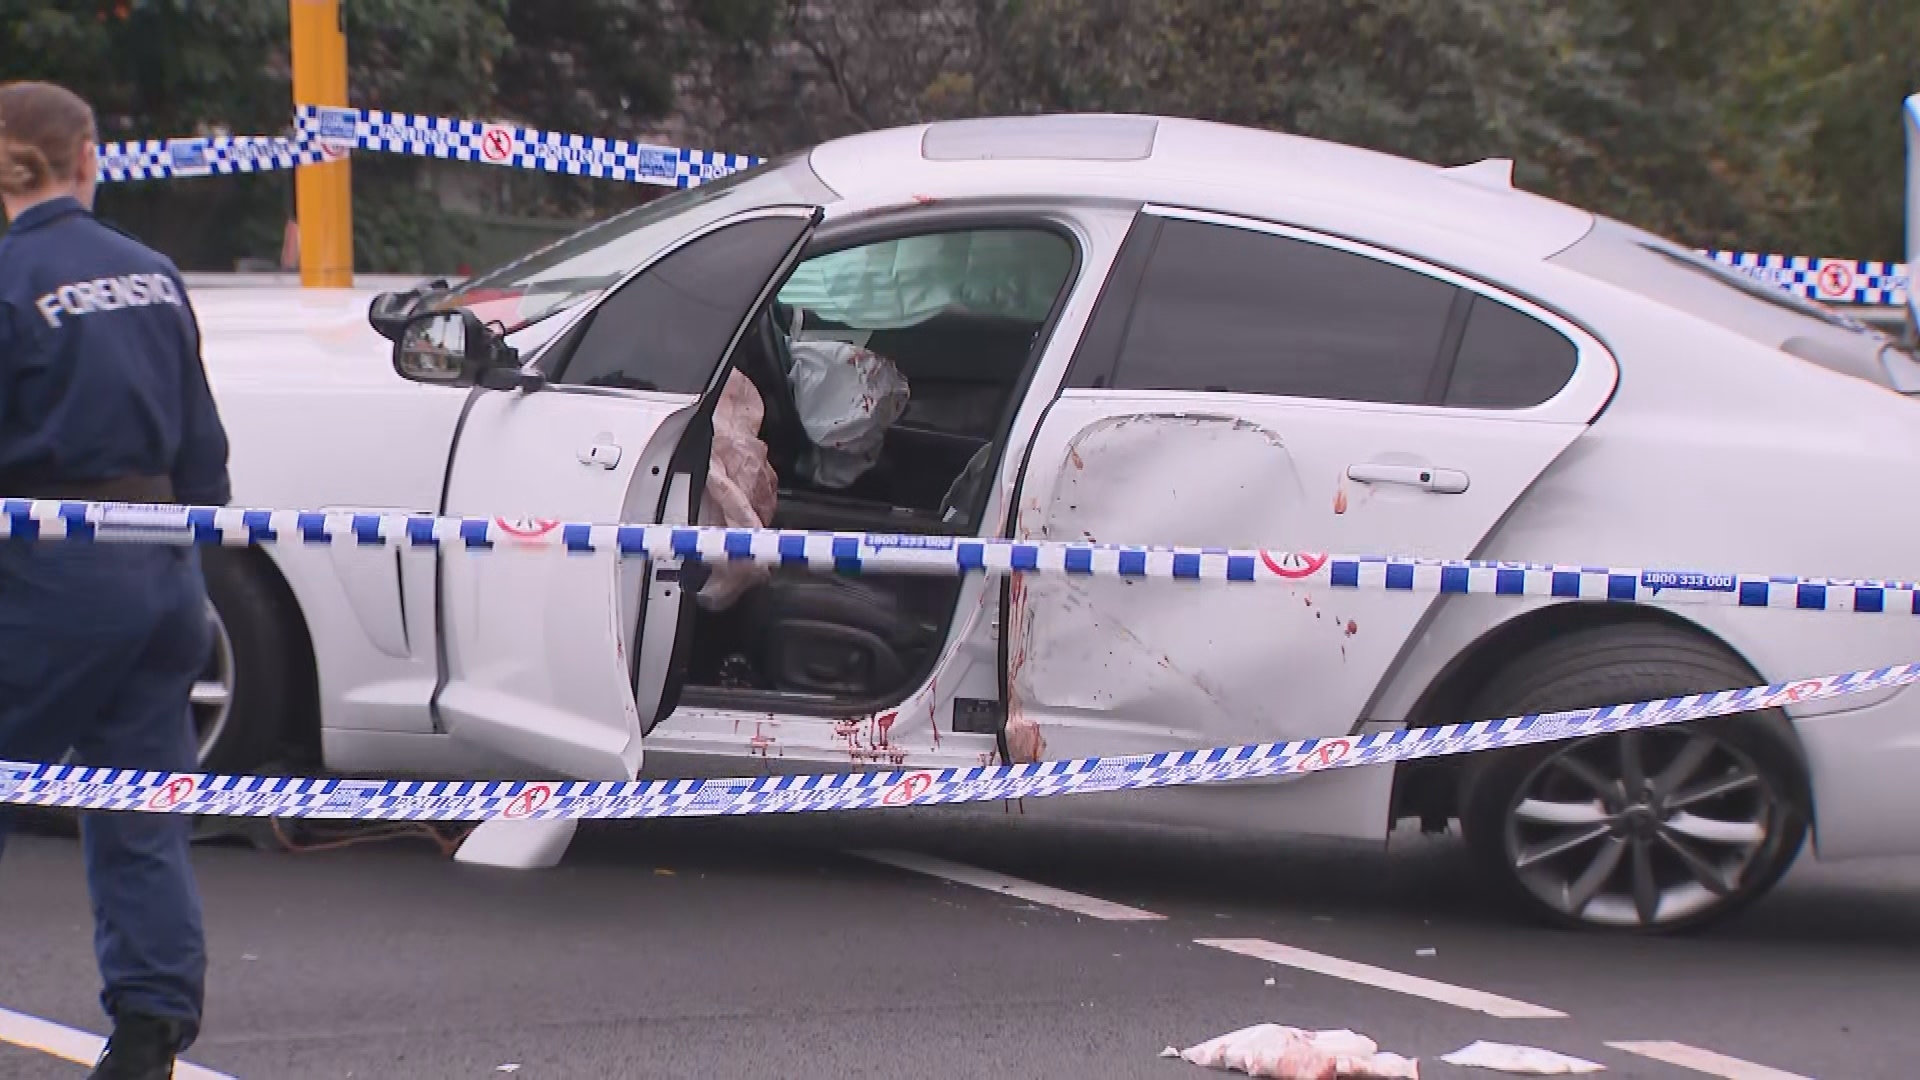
(1412, 985)
(1090, 906)
(79, 1047)
(1704, 1061)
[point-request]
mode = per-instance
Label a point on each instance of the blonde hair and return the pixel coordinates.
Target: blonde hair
(43, 130)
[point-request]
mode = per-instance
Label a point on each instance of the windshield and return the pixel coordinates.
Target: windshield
(577, 268)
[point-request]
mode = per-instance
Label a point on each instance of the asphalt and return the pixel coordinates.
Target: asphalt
(751, 948)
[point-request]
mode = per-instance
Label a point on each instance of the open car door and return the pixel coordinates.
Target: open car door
(562, 659)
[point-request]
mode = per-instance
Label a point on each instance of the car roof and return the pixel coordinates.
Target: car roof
(1200, 165)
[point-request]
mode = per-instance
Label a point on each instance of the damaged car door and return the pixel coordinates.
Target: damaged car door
(1248, 385)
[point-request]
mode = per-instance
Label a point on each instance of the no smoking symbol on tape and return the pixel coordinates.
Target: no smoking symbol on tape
(1804, 690)
(1294, 565)
(908, 790)
(526, 528)
(496, 144)
(1325, 756)
(527, 802)
(172, 794)
(1836, 279)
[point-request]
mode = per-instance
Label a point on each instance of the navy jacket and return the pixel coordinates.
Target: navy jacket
(100, 372)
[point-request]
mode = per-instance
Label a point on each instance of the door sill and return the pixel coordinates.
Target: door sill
(788, 704)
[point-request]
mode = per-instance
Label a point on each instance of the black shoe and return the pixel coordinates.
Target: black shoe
(142, 1048)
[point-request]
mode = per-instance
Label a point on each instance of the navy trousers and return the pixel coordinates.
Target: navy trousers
(99, 649)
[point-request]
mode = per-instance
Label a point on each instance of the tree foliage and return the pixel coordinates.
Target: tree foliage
(1762, 124)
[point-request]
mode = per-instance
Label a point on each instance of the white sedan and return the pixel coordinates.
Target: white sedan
(1116, 328)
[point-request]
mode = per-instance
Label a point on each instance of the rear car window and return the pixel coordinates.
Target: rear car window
(1239, 310)
(1508, 360)
(1230, 309)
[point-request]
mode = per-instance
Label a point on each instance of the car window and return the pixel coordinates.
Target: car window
(578, 268)
(1224, 308)
(667, 328)
(1508, 360)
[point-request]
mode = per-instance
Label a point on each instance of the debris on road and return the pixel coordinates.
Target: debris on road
(1278, 1052)
(1526, 1060)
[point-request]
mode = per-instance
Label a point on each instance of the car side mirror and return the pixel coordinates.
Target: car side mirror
(389, 310)
(452, 348)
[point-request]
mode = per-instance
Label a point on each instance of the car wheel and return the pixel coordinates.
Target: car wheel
(244, 694)
(1661, 829)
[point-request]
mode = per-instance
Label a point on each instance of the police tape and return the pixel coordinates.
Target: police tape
(1834, 281)
(220, 795)
(923, 553)
(325, 133)
(515, 146)
(214, 155)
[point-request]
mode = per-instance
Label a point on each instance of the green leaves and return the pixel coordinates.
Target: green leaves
(1767, 124)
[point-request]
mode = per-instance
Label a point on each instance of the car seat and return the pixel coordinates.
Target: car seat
(823, 634)
(819, 633)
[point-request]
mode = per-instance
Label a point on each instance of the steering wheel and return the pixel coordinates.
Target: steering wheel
(780, 429)
(773, 336)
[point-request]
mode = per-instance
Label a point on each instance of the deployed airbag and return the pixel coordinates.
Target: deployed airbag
(1012, 273)
(847, 398)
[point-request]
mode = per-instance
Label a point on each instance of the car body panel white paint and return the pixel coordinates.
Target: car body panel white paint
(1714, 451)
(1721, 454)
(1339, 189)
(538, 643)
(317, 419)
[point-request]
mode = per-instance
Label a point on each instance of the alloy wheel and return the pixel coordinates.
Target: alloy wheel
(1643, 829)
(212, 694)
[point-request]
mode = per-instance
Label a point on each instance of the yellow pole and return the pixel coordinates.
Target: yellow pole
(323, 194)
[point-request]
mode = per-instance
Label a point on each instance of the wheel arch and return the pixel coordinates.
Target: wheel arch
(1430, 789)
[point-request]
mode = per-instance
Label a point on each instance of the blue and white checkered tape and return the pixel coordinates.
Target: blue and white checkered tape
(515, 146)
(1834, 281)
(214, 155)
(851, 552)
(83, 787)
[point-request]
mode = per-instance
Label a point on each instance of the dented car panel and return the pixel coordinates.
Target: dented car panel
(1120, 666)
(1119, 658)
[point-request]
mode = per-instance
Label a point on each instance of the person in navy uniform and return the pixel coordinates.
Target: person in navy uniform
(103, 398)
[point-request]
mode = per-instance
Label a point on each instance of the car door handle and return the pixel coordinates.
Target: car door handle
(605, 455)
(1426, 478)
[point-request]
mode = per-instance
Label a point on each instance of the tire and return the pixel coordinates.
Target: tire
(1602, 852)
(245, 697)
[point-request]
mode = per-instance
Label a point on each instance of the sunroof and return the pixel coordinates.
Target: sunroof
(1055, 138)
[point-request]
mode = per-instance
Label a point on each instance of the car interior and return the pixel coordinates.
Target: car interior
(923, 343)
